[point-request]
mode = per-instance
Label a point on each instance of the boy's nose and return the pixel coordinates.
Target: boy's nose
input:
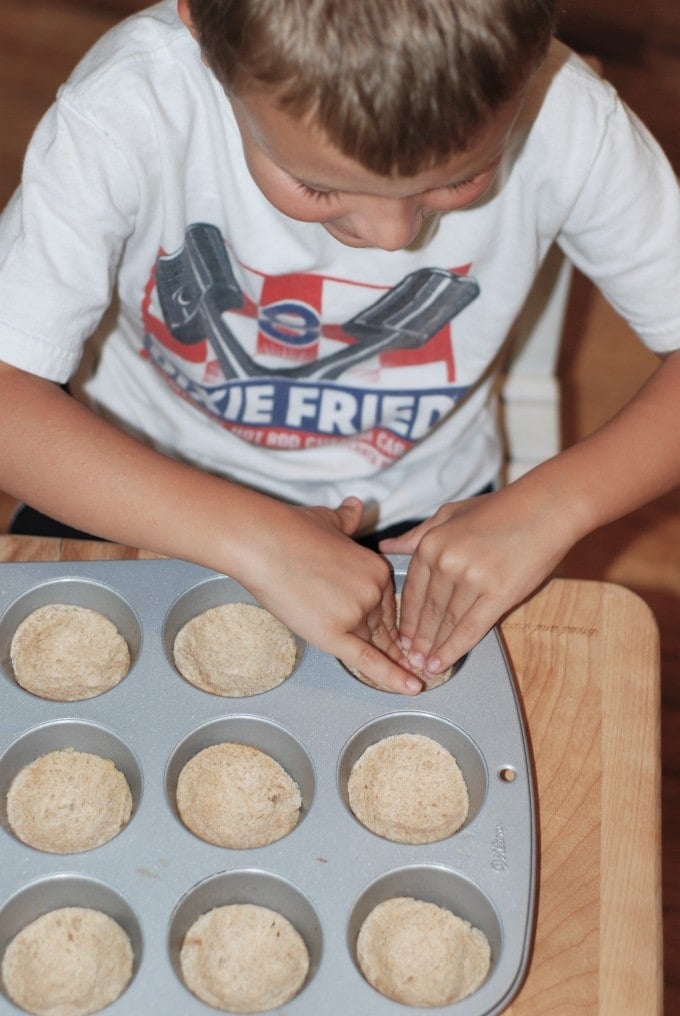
(389, 224)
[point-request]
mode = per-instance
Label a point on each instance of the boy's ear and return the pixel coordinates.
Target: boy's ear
(185, 15)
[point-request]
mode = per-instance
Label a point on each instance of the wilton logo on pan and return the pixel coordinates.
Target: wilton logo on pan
(499, 857)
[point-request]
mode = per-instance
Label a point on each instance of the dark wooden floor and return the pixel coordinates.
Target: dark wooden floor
(601, 366)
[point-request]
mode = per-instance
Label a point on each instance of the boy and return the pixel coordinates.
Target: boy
(321, 220)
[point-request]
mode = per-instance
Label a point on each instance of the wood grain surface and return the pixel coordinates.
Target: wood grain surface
(586, 658)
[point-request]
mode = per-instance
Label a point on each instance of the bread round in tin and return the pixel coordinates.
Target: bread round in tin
(68, 801)
(65, 653)
(244, 958)
(420, 954)
(235, 649)
(409, 789)
(236, 796)
(70, 962)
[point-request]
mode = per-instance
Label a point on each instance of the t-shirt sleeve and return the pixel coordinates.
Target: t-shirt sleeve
(623, 229)
(61, 238)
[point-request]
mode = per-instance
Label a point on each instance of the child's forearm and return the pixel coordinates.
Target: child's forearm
(474, 560)
(64, 460)
(629, 461)
(61, 458)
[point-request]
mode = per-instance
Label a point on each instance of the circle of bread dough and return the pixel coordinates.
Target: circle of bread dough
(235, 649)
(420, 954)
(244, 958)
(68, 801)
(64, 653)
(237, 796)
(409, 789)
(430, 681)
(69, 962)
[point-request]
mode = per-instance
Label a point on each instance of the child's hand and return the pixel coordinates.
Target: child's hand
(332, 592)
(472, 561)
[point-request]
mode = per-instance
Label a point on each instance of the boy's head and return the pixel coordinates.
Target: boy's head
(396, 85)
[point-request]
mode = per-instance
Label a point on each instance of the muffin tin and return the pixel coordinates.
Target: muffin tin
(155, 878)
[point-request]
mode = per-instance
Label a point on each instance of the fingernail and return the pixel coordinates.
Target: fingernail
(417, 660)
(413, 684)
(434, 666)
(405, 643)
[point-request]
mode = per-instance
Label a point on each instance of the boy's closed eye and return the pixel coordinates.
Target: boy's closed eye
(319, 195)
(313, 192)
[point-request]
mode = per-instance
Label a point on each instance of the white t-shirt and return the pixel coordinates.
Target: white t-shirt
(261, 348)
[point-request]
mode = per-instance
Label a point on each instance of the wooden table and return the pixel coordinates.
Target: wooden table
(586, 656)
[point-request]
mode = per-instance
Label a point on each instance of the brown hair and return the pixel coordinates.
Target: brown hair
(397, 85)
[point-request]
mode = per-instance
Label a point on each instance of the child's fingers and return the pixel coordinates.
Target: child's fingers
(383, 635)
(389, 612)
(349, 515)
(444, 609)
(413, 595)
(434, 616)
(378, 668)
(471, 627)
(404, 544)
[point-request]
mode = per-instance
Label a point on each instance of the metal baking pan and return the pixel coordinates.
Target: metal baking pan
(156, 878)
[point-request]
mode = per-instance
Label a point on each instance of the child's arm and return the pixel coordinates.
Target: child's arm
(299, 562)
(475, 559)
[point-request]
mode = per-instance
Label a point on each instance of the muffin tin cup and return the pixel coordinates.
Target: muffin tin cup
(60, 735)
(327, 871)
(466, 753)
(433, 884)
(246, 885)
(213, 592)
(77, 591)
(255, 732)
(66, 889)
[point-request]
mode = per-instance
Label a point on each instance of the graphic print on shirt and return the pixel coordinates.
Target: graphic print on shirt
(287, 372)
